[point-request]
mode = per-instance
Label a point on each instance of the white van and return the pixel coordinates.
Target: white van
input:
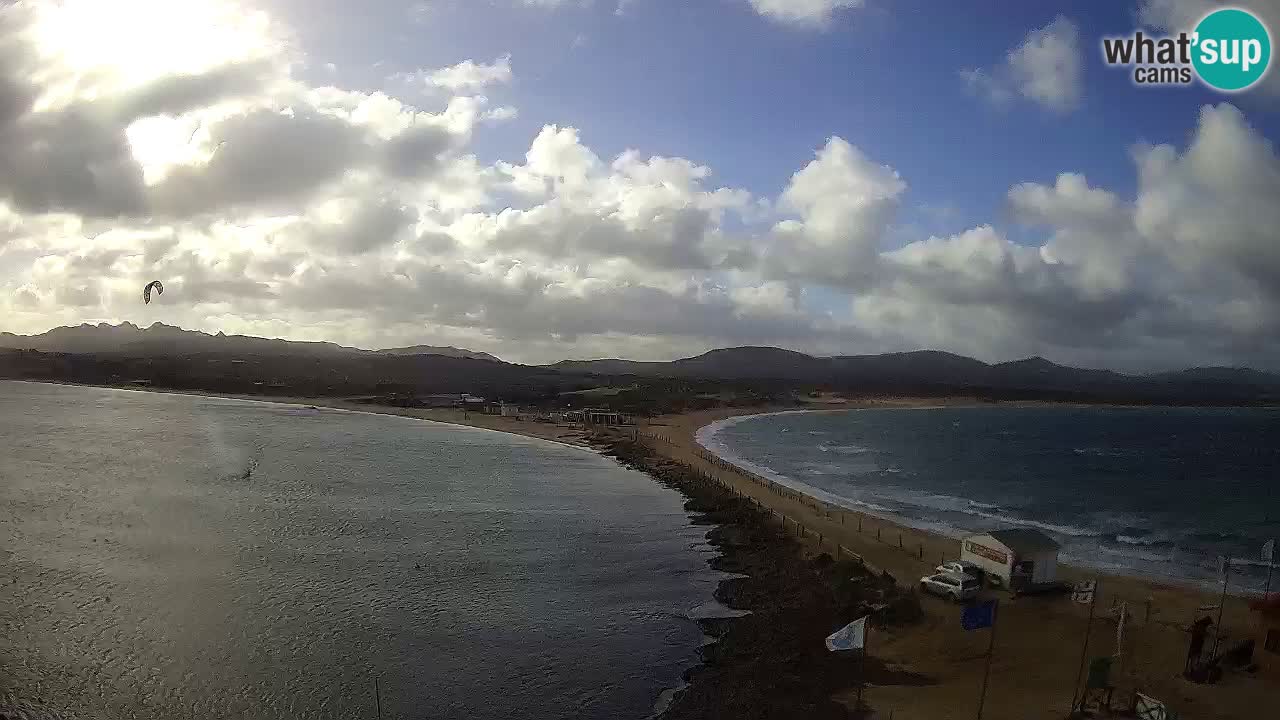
(951, 585)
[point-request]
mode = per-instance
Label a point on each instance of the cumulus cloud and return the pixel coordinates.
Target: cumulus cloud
(1046, 68)
(500, 114)
(269, 205)
(844, 202)
(469, 75)
(803, 13)
(1182, 274)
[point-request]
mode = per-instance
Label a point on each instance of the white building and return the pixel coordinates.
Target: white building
(1019, 557)
(503, 409)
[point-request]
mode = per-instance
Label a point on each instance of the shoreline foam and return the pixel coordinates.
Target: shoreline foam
(1102, 557)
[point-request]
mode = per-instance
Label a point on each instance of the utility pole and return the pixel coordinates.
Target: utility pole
(991, 647)
(1084, 649)
(862, 664)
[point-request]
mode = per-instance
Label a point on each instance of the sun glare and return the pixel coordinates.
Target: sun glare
(90, 45)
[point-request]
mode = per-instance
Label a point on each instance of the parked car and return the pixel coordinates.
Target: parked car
(955, 586)
(961, 567)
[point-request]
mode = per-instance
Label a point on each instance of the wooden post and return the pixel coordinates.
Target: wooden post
(1217, 628)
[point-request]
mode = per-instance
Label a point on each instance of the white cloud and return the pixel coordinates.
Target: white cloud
(844, 202)
(500, 114)
(1046, 68)
(270, 205)
(803, 13)
(1185, 273)
(470, 76)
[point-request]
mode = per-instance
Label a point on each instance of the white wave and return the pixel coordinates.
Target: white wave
(1082, 546)
(1102, 452)
(1249, 562)
(714, 610)
(850, 449)
(1134, 540)
(1068, 530)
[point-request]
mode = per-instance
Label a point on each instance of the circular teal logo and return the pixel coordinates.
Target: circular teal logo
(1232, 49)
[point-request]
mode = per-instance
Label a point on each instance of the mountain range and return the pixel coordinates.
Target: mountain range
(161, 339)
(921, 366)
(422, 368)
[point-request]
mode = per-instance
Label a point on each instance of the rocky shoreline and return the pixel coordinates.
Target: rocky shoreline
(771, 662)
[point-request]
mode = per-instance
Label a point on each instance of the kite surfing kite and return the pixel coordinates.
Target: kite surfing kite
(146, 291)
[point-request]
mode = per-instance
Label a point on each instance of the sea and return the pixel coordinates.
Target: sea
(1156, 492)
(188, 557)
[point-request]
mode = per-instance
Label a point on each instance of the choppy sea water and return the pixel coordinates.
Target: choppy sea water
(176, 556)
(1155, 491)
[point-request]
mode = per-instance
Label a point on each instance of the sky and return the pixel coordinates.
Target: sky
(650, 179)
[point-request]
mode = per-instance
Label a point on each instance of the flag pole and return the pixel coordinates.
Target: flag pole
(1084, 648)
(862, 665)
(1217, 629)
(991, 646)
(1268, 554)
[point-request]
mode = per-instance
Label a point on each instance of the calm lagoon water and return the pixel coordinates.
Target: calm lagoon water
(177, 556)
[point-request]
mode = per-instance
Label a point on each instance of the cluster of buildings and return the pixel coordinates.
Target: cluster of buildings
(473, 403)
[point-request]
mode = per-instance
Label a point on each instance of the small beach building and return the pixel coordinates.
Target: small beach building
(503, 409)
(1020, 558)
(596, 416)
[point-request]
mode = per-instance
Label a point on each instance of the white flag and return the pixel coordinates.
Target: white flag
(1083, 591)
(849, 637)
(1269, 550)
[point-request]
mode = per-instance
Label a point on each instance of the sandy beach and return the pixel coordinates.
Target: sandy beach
(1039, 646)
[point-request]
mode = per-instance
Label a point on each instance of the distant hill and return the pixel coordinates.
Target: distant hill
(160, 339)
(1224, 375)
(447, 351)
(727, 363)
(178, 358)
(932, 372)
